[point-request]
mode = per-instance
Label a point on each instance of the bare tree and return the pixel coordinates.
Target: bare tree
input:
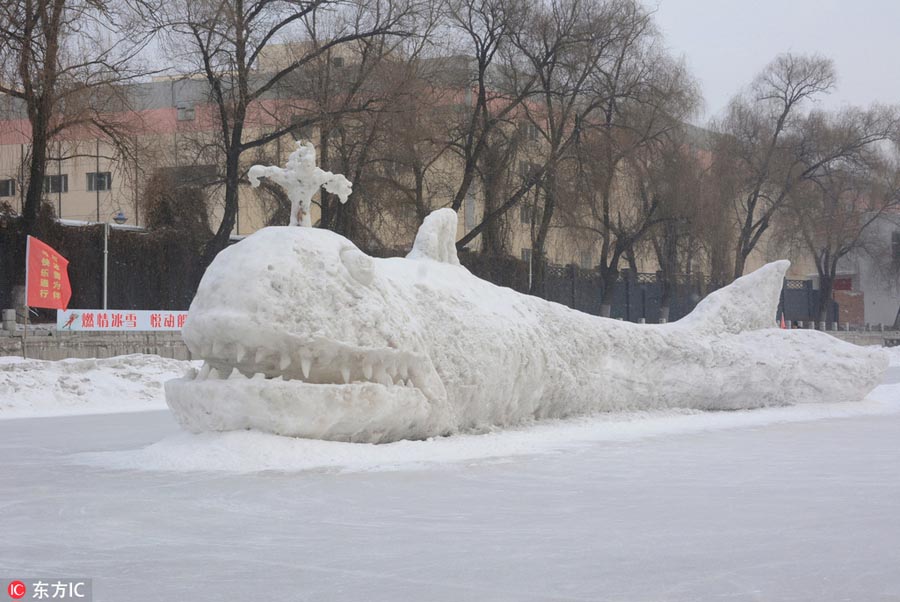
(566, 45)
(831, 213)
(66, 62)
(676, 178)
(482, 32)
(769, 140)
(234, 46)
(644, 96)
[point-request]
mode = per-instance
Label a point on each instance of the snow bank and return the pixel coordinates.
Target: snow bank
(894, 355)
(127, 383)
(251, 451)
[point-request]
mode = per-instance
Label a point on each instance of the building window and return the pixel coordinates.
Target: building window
(99, 181)
(525, 213)
(55, 184)
(528, 131)
(586, 260)
(185, 112)
(7, 188)
(469, 211)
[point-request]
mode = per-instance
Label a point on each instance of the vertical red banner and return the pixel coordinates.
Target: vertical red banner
(46, 276)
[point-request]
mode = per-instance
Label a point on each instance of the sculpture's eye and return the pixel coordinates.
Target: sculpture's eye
(358, 264)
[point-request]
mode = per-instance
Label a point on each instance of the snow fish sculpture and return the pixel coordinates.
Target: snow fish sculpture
(305, 335)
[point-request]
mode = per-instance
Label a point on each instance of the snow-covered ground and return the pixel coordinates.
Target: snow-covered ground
(84, 386)
(797, 503)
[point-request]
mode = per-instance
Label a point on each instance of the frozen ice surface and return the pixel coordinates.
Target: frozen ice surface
(304, 335)
(794, 503)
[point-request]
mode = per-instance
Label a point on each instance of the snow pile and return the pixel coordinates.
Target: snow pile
(304, 335)
(125, 383)
(250, 451)
(894, 355)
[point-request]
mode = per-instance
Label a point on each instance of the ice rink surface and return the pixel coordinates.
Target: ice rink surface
(785, 510)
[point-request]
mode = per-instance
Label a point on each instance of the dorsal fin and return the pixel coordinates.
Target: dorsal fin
(436, 238)
(748, 303)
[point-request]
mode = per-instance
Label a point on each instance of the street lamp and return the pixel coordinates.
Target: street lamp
(120, 218)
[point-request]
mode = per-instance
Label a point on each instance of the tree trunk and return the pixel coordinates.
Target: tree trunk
(609, 280)
(222, 236)
(826, 291)
(36, 171)
(326, 219)
(740, 260)
(540, 241)
(538, 273)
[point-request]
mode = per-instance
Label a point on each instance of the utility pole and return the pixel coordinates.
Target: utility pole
(21, 178)
(97, 186)
(59, 178)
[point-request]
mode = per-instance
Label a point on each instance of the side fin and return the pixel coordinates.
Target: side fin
(436, 238)
(748, 303)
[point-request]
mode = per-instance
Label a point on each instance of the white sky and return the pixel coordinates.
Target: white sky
(727, 42)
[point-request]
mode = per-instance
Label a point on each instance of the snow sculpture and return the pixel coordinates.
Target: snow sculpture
(305, 335)
(302, 179)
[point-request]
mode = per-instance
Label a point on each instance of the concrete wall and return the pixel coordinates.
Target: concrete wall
(50, 345)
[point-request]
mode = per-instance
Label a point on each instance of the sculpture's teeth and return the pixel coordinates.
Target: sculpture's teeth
(258, 376)
(191, 373)
(204, 371)
(382, 377)
(247, 373)
(225, 373)
(241, 352)
(260, 356)
(367, 370)
(284, 362)
(305, 365)
(213, 374)
(345, 374)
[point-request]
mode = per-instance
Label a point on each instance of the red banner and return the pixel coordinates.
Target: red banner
(46, 276)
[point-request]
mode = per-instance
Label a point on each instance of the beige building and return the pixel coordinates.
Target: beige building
(91, 180)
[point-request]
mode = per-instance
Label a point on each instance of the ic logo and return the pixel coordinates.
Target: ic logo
(16, 590)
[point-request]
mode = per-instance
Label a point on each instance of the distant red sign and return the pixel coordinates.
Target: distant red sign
(46, 276)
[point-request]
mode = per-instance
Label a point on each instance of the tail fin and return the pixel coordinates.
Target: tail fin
(748, 303)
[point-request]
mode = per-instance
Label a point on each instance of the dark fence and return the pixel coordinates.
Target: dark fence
(147, 270)
(161, 270)
(634, 297)
(800, 302)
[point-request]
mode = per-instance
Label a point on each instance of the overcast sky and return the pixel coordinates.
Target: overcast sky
(727, 42)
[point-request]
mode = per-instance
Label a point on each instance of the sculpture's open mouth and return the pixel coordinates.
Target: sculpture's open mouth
(315, 362)
(314, 388)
